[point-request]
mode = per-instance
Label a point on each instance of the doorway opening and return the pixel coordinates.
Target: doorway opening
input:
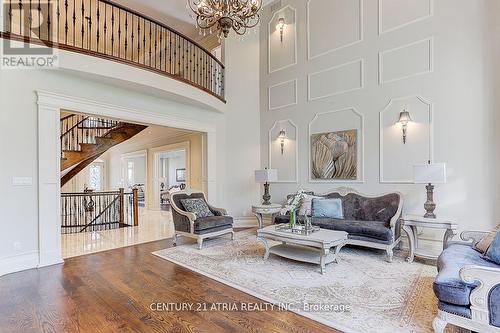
(116, 178)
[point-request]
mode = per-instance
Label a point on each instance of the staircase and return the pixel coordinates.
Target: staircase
(85, 138)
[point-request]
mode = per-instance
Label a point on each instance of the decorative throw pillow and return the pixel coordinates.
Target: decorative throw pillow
(493, 253)
(331, 208)
(197, 206)
(305, 207)
(483, 245)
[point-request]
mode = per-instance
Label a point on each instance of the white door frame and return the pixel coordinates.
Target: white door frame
(49, 152)
(186, 146)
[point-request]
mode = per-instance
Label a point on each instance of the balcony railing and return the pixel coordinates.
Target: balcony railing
(107, 30)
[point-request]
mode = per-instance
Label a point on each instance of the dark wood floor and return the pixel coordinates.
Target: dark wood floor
(112, 292)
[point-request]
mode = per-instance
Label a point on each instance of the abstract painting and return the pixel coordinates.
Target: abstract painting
(334, 155)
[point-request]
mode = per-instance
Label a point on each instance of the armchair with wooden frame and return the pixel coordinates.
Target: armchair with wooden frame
(187, 224)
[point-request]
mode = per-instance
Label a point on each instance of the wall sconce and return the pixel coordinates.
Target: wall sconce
(281, 27)
(282, 137)
(404, 119)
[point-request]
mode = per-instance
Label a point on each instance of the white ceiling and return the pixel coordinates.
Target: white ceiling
(172, 12)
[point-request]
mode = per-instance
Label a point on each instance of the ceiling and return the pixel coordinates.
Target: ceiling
(172, 12)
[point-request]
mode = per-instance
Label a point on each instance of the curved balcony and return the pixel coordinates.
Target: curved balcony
(107, 30)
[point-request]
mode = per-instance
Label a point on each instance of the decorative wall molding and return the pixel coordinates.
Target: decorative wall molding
(336, 68)
(381, 138)
(430, 60)
(361, 147)
(310, 56)
(421, 18)
(269, 34)
(295, 92)
(271, 140)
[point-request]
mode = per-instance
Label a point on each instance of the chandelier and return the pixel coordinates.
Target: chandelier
(224, 15)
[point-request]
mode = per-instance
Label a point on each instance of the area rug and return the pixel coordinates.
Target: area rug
(361, 293)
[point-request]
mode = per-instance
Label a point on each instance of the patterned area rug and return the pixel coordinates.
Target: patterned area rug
(365, 293)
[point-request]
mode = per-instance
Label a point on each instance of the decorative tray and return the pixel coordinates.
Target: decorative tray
(298, 229)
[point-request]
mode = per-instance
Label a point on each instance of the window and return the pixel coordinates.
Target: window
(95, 176)
(130, 173)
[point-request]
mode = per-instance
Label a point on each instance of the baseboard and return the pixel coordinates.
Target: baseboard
(17, 263)
(49, 259)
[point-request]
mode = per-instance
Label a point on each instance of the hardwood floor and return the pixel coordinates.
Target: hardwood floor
(112, 292)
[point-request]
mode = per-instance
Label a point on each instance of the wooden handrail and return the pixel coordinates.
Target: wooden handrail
(105, 29)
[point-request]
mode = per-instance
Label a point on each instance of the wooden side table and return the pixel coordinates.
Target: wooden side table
(411, 222)
(260, 210)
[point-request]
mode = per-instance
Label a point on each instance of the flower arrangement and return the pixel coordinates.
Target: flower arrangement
(292, 205)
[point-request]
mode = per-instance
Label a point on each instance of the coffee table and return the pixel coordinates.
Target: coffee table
(320, 247)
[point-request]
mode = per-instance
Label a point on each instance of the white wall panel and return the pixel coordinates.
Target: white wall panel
(396, 158)
(287, 162)
(395, 14)
(406, 61)
(332, 25)
(336, 80)
(282, 54)
(283, 94)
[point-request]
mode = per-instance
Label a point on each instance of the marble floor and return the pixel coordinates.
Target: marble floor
(153, 226)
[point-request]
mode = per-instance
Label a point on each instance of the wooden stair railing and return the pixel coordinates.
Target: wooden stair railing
(94, 211)
(85, 138)
(105, 29)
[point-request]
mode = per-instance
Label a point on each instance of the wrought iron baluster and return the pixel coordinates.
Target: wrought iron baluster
(98, 33)
(126, 34)
(119, 31)
(112, 30)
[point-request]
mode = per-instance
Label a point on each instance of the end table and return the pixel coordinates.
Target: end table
(260, 210)
(410, 223)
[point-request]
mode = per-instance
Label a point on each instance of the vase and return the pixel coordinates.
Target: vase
(293, 219)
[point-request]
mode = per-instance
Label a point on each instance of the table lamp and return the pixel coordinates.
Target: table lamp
(265, 176)
(429, 174)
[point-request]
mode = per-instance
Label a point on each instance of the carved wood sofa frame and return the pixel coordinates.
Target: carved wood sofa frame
(488, 278)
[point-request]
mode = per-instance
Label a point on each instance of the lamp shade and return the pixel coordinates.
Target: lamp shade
(266, 175)
(429, 173)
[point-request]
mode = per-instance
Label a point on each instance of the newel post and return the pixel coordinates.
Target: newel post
(135, 200)
(122, 205)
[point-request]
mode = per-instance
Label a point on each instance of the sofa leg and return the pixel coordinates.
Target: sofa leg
(175, 239)
(232, 235)
(439, 325)
(200, 243)
(389, 254)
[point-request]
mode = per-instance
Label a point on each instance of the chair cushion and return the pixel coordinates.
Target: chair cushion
(484, 244)
(305, 207)
(197, 206)
(211, 222)
(448, 286)
(371, 229)
(493, 253)
(331, 208)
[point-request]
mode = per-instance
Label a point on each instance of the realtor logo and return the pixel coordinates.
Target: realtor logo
(28, 35)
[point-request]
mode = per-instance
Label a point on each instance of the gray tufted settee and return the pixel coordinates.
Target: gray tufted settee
(370, 221)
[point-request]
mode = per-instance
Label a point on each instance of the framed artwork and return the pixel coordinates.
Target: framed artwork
(180, 175)
(334, 155)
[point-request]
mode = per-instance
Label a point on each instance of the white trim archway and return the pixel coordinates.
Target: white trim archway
(49, 150)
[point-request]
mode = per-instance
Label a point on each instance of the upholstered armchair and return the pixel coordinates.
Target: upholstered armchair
(188, 224)
(468, 287)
